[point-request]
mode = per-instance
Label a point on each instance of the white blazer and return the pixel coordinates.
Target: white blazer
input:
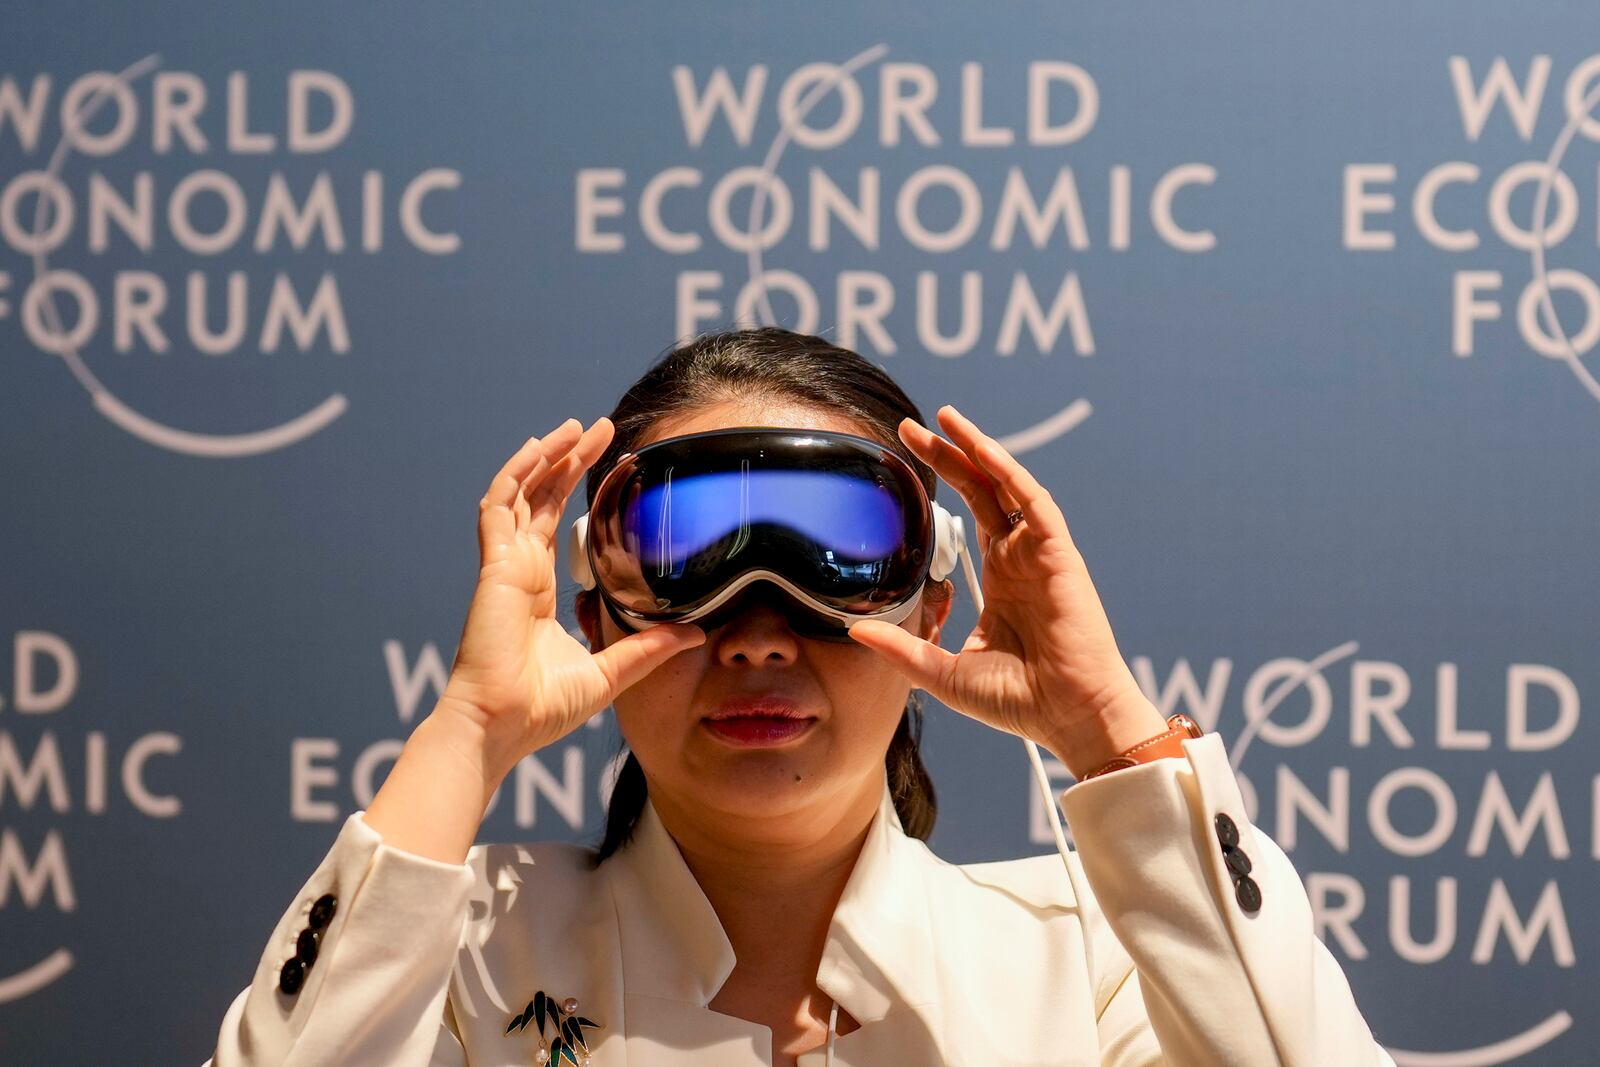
(426, 963)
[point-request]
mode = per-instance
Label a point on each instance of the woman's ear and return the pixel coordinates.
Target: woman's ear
(587, 605)
(937, 598)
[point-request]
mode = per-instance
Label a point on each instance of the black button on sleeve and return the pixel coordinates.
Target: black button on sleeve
(1248, 893)
(1237, 861)
(1227, 831)
(322, 911)
(305, 947)
(292, 977)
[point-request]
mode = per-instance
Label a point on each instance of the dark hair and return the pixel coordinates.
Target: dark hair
(769, 363)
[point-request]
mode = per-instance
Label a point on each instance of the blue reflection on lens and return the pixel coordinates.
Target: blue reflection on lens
(847, 516)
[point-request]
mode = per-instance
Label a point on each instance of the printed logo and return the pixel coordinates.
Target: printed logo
(38, 771)
(77, 209)
(1530, 207)
(871, 186)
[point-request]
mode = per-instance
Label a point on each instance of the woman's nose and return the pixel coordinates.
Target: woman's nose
(758, 634)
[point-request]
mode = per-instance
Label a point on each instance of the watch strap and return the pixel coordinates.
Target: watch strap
(1179, 729)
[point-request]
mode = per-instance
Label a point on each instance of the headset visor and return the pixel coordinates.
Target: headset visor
(840, 522)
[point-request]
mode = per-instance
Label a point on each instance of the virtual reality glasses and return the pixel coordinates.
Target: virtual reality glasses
(829, 527)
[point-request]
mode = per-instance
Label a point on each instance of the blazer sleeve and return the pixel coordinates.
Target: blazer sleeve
(369, 945)
(1215, 919)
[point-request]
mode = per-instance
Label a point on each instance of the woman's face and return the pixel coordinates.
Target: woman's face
(851, 699)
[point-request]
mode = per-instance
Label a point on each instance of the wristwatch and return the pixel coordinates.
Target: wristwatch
(1179, 728)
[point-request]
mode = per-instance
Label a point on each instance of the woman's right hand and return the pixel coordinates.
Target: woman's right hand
(520, 681)
(518, 672)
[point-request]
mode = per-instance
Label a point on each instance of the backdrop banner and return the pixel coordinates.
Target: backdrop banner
(1294, 311)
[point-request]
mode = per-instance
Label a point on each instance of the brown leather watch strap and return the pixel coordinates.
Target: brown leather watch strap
(1179, 729)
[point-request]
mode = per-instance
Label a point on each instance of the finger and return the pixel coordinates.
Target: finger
(519, 508)
(1037, 505)
(633, 657)
(925, 664)
(503, 489)
(952, 464)
(500, 508)
(553, 453)
(549, 500)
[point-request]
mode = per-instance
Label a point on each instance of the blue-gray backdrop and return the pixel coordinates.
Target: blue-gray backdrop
(1293, 308)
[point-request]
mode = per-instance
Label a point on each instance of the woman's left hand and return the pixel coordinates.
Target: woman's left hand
(1042, 662)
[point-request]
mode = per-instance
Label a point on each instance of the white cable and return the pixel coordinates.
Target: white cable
(1039, 777)
(833, 1030)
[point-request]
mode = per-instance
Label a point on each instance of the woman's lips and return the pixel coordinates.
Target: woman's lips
(758, 731)
(758, 722)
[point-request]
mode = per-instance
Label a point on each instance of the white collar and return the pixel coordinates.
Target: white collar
(879, 952)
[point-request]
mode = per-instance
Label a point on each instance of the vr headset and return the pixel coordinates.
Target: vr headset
(828, 527)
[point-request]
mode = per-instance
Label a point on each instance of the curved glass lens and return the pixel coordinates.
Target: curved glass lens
(851, 520)
(840, 522)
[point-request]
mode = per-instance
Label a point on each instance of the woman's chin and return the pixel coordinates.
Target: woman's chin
(760, 782)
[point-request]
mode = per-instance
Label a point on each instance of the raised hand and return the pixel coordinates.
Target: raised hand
(1042, 662)
(517, 671)
(520, 681)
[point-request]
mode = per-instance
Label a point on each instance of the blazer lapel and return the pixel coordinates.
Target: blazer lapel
(880, 963)
(673, 945)
(675, 956)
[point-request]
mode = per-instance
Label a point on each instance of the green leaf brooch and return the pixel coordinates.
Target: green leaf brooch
(569, 1042)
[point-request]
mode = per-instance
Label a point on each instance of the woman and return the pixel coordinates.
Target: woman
(762, 894)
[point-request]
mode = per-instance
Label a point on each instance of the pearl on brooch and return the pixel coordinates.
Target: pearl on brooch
(542, 1056)
(569, 1005)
